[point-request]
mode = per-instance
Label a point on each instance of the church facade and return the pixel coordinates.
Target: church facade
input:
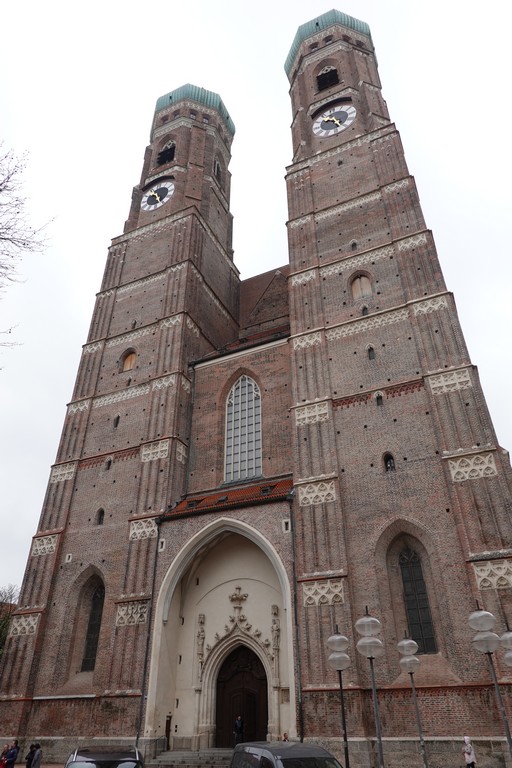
(247, 466)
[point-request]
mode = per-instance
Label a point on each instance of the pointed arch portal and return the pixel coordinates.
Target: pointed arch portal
(222, 645)
(241, 690)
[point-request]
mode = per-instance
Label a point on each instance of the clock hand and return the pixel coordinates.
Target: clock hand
(332, 119)
(155, 195)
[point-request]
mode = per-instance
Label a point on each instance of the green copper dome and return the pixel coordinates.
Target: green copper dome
(200, 96)
(325, 21)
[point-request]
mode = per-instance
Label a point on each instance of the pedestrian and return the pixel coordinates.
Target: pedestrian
(285, 737)
(238, 729)
(30, 755)
(38, 756)
(469, 753)
(12, 754)
(3, 755)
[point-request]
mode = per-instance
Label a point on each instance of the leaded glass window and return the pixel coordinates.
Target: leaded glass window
(93, 629)
(243, 431)
(419, 619)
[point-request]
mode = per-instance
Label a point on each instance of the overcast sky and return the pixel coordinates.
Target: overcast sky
(78, 90)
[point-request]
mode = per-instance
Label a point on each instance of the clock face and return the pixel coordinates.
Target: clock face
(157, 195)
(334, 120)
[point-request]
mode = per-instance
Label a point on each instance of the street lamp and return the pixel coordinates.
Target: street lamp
(410, 663)
(487, 642)
(340, 660)
(371, 647)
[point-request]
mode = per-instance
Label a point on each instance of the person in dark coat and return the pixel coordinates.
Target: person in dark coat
(30, 755)
(38, 756)
(238, 729)
(12, 754)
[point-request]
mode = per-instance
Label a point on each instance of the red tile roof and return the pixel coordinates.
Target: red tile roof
(231, 497)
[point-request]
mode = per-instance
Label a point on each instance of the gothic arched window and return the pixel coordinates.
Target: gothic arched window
(361, 287)
(243, 431)
(417, 609)
(93, 628)
(128, 361)
(217, 170)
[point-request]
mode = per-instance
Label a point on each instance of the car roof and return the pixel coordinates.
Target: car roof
(288, 748)
(96, 754)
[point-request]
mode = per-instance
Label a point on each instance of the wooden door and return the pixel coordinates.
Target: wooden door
(241, 690)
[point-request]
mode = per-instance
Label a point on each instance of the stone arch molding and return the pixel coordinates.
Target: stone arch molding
(239, 630)
(204, 537)
(213, 663)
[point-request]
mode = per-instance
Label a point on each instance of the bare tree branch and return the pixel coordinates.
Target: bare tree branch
(8, 603)
(17, 236)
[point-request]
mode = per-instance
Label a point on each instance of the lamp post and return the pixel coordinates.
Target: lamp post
(487, 642)
(410, 663)
(371, 647)
(340, 660)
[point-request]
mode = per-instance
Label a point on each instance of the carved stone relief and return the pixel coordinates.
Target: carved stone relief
(309, 414)
(326, 592)
(493, 574)
(450, 381)
(310, 340)
(316, 493)
(143, 529)
(63, 472)
(153, 451)
(238, 623)
(472, 467)
(24, 625)
(129, 614)
(44, 545)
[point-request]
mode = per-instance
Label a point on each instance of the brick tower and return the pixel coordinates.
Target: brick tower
(246, 465)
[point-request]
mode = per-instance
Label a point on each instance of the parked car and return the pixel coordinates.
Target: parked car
(281, 754)
(105, 757)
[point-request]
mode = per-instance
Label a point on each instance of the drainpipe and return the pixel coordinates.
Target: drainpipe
(298, 666)
(158, 521)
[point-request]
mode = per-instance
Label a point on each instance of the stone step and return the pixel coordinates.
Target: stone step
(216, 758)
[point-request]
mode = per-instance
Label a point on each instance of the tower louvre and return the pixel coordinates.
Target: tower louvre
(245, 465)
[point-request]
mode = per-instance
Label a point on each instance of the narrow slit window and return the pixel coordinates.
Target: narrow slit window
(389, 462)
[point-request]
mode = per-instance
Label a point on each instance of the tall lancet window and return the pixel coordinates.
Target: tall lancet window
(93, 628)
(243, 431)
(419, 618)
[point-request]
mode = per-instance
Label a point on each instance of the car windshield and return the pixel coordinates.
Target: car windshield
(310, 762)
(107, 763)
